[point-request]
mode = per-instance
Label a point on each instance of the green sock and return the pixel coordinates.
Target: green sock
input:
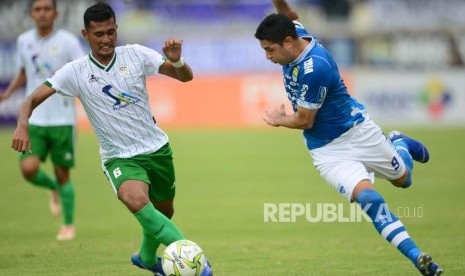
(43, 180)
(148, 247)
(158, 229)
(67, 202)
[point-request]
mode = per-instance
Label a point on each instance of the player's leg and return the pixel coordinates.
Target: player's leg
(352, 180)
(67, 197)
(347, 169)
(130, 181)
(162, 193)
(157, 228)
(391, 228)
(416, 149)
(146, 257)
(160, 169)
(166, 207)
(341, 168)
(30, 169)
(149, 245)
(408, 149)
(30, 166)
(386, 163)
(385, 222)
(62, 141)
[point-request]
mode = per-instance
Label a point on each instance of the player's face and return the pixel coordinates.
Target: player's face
(101, 37)
(275, 52)
(43, 13)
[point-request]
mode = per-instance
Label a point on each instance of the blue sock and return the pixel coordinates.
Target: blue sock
(387, 224)
(402, 150)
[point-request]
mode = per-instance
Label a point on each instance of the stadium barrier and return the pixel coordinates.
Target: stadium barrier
(211, 101)
(407, 98)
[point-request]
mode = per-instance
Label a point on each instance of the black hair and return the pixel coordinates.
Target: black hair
(98, 13)
(31, 3)
(275, 28)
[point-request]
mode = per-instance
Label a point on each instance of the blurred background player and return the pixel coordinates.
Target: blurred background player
(42, 51)
(136, 156)
(347, 147)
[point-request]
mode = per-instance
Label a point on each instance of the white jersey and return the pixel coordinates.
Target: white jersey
(115, 99)
(41, 57)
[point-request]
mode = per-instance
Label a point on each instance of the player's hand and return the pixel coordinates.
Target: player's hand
(272, 116)
(20, 141)
(172, 49)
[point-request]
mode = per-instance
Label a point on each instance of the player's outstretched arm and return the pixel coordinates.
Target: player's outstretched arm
(175, 66)
(283, 7)
(301, 119)
(20, 141)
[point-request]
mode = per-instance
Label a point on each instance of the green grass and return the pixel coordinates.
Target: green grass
(224, 177)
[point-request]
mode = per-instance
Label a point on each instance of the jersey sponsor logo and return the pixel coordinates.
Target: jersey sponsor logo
(42, 69)
(308, 66)
(122, 99)
(322, 94)
(295, 73)
(303, 92)
(123, 71)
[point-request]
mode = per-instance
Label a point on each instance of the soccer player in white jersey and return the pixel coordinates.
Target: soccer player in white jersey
(136, 155)
(347, 147)
(41, 51)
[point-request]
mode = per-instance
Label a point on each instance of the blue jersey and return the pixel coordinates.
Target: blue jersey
(313, 82)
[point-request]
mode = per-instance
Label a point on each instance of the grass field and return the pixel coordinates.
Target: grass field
(224, 177)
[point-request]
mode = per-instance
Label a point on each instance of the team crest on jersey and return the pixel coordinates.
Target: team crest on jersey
(295, 73)
(123, 71)
(54, 50)
(308, 66)
(121, 99)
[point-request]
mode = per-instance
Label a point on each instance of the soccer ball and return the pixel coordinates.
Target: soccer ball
(183, 258)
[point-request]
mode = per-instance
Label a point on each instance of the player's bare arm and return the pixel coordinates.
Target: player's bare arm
(283, 7)
(175, 66)
(18, 81)
(302, 119)
(20, 140)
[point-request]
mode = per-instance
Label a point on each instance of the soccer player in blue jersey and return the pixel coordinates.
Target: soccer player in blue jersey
(347, 147)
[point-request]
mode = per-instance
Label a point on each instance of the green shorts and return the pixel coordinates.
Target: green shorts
(58, 140)
(156, 169)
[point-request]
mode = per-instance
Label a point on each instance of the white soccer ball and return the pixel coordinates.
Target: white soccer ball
(183, 258)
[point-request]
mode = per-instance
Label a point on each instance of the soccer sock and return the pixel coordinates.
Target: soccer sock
(387, 224)
(148, 247)
(43, 180)
(157, 229)
(66, 192)
(402, 150)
